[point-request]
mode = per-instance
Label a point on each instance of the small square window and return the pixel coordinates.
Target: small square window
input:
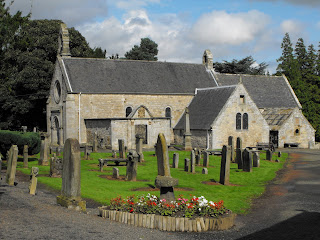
(242, 100)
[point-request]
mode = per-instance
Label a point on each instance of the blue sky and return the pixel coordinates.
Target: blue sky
(183, 29)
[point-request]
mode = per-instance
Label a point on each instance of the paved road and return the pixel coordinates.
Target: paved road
(290, 209)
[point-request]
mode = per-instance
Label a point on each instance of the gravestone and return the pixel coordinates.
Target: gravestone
(279, 154)
(115, 173)
(187, 132)
(139, 144)
(192, 162)
(247, 160)
(25, 156)
(86, 152)
(175, 161)
(230, 143)
(238, 153)
(114, 154)
(71, 177)
(95, 142)
(205, 171)
(197, 159)
(122, 151)
(164, 181)
(58, 152)
(24, 128)
(33, 180)
(255, 159)
(269, 155)
(186, 164)
(277, 160)
(12, 165)
(132, 166)
(225, 165)
(206, 159)
(43, 161)
(35, 129)
(0, 168)
(56, 167)
(141, 157)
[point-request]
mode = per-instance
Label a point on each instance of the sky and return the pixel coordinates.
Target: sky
(183, 29)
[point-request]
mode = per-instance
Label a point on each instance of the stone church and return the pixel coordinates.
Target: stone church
(118, 99)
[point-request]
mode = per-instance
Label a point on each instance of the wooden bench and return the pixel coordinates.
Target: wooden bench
(288, 145)
(116, 161)
(214, 152)
(265, 146)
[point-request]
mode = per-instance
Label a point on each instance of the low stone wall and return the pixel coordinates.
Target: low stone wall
(172, 224)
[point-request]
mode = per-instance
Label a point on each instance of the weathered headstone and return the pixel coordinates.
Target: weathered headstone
(198, 159)
(187, 132)
(139, 144)
(86, 152)
(206, 157)
(115, 173)
(114, 154)
(12, 165)
(238, 153)
(132, 166)
(231, 144)
(35, 129)
(255, 159)
(56, 167)
(186, 164)
(71, 175)
(205, 171)
(225, 165)
(192, 162)
(279, 154)
(95, 142)
(269, 155)
(141, 157)
(58, 152)
(24, 128)
(247, 160)
(33, 180)
(277, 160)
(43, 161)
(25, 156)
(122, 151)
(164, 181)
(175, 161)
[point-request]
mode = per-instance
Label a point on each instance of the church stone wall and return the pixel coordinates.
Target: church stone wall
(297, 129)
(225, 124)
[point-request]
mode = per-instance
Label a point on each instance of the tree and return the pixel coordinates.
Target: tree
(246, 65)
(148, 50)
(287, 58)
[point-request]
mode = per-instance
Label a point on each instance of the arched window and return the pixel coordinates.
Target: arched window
(245, 121)
(238, 121)
(168, 112)
(128, 111)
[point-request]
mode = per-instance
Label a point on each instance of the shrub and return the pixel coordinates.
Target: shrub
(9, 138)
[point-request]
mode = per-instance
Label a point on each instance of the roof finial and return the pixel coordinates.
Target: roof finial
(240, 79)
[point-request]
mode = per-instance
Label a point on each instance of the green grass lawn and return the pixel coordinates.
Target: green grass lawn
(237, 198)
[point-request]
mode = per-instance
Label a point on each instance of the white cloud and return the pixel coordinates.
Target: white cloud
(295, 29)
(220, 27)
(133, 4)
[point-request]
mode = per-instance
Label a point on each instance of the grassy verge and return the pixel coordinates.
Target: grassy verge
(237, 197)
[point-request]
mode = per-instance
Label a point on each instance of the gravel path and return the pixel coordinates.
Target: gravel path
(290, 209)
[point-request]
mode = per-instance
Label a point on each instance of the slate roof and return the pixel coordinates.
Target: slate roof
(205, 107)
(124, 76)
(276, 116)
(266, 91)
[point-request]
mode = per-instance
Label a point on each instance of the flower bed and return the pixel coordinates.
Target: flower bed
(194, 215)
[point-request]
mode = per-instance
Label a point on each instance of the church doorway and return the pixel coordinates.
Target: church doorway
(55, 131)
(274, 138)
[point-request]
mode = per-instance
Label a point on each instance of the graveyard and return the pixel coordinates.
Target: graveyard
(101, 186)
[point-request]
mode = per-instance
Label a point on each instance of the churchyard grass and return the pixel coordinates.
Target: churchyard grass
(245, 186)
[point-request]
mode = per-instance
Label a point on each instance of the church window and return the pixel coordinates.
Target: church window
(238, 121)
(128, 111)
(297, 132)
(245, 121)
(168, 112)
(242, 99)
(57, 92)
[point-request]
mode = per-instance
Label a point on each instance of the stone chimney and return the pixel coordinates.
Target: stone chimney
(207, 59)
(64, 49)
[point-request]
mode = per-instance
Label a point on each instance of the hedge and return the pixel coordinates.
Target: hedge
(9, 138)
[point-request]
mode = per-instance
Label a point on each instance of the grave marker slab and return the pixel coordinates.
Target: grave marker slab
(206, 159)
(33, 180)
(43, 161)
(115, 173)
(256, 159)
(192, 162)
(12, 165)
(175, 161)
(187, 132)
(279, 154)
(186, 164)
(56, 167)
(132, 166)
(247, 160)
(225, 165)
(95, 142)
(231, 144)
(114, 154)
(269, 155)
(205, 171)
(122, 151)
(25, 156)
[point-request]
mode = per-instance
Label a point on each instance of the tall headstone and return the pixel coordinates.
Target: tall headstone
(122, 151)
(187, 132)
(24, 128)
(269, 155)
(35, 129)
(255, 159)
(198, 159)
(186, 164)
(139, 145)
(114, 154)
(279, 154)
(164, 181)
(225, 165)
(204, 170)
(132, 166)
(71, 177)
(238, 153)
(231, 144)
(25, 156)
(175, 161)
(56, 167)
(206, 159)
(12, 165)
(95, 142)
(115, 173)
(33, 180)
(192, 162)
(247, 160)
(44, 161)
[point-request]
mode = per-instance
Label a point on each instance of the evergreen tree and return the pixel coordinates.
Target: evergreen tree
(148, 50)
(301, 56)
(286, 60)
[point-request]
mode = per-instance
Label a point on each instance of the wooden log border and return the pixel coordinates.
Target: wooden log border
(172, 224)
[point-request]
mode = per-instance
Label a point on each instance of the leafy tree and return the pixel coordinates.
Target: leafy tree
(246, 65)
(148, 50)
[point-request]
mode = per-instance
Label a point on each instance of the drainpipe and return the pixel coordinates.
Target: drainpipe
(79, 118)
